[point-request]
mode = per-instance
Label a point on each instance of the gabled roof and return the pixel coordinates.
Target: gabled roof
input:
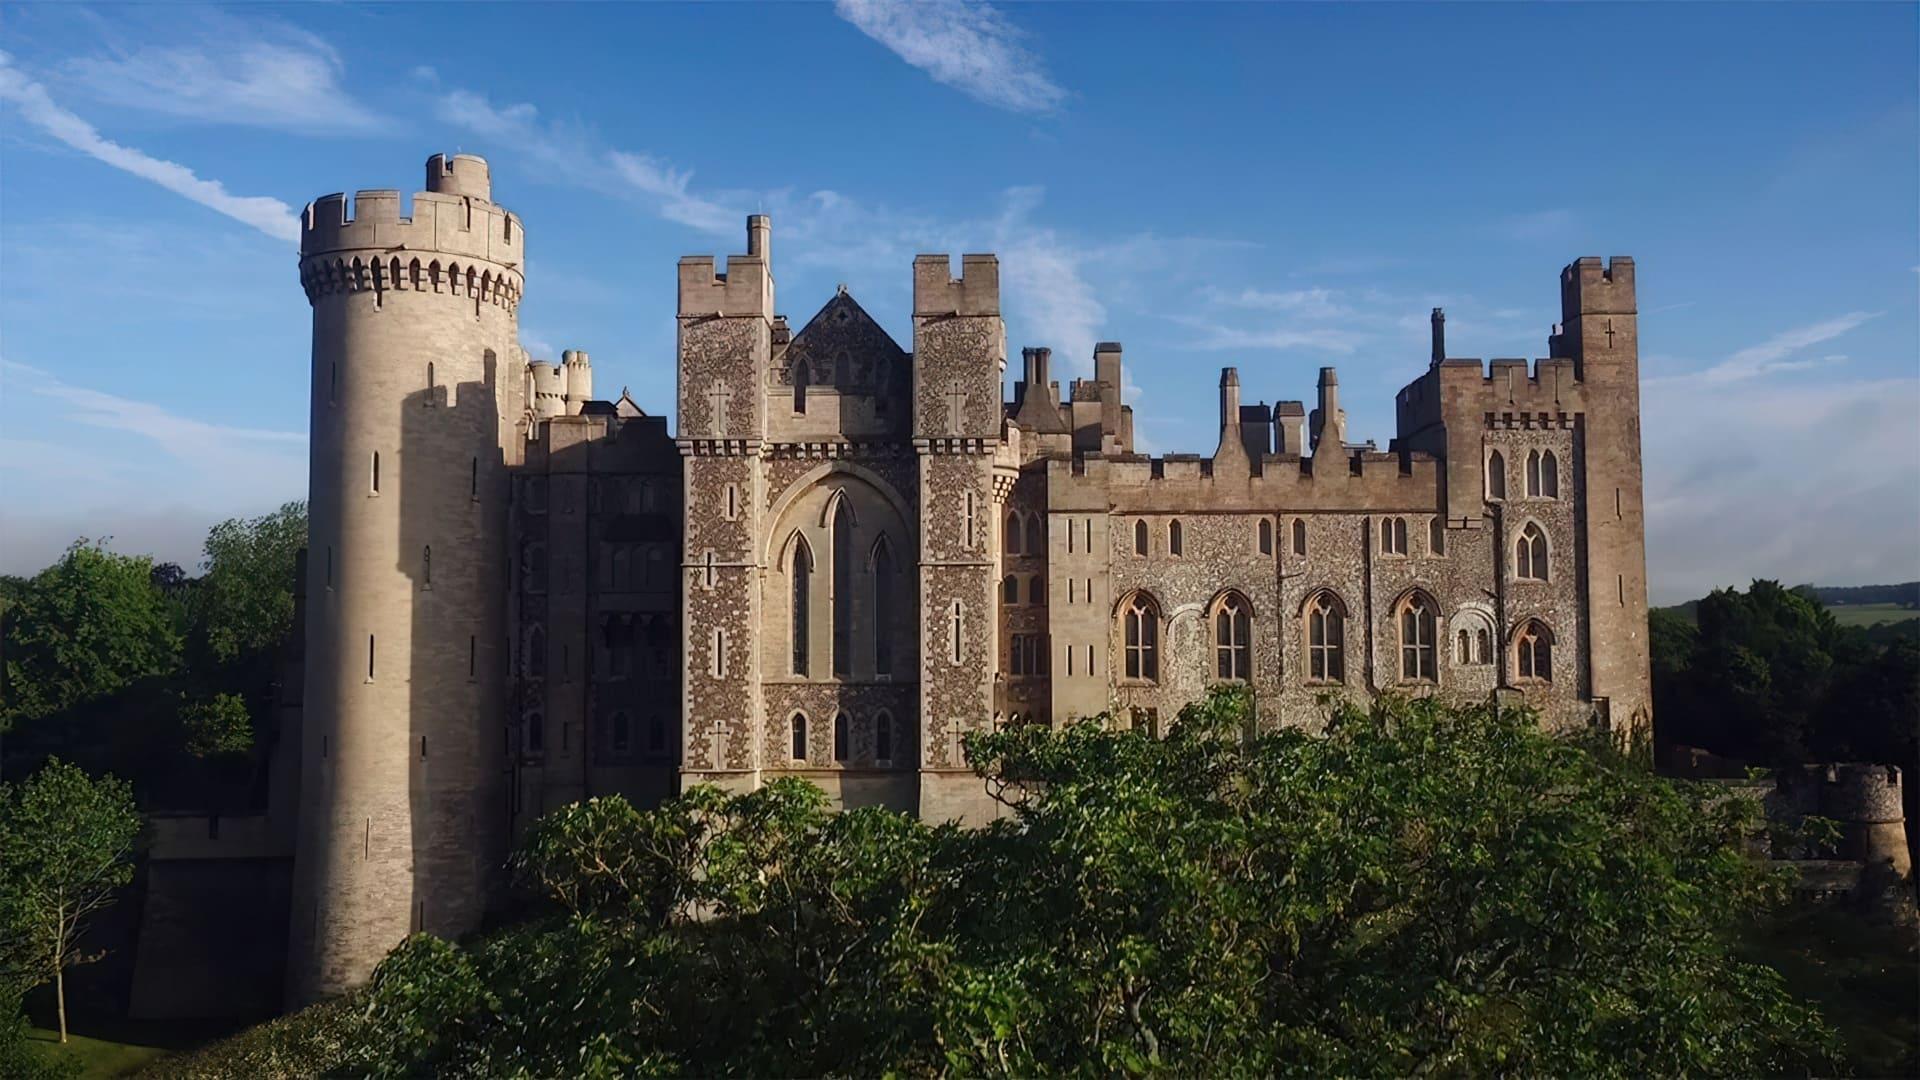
(626, 408)
(842, 326)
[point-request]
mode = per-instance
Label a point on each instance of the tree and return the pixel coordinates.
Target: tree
(244, 602)
(66, 843)
(86, 627)
(1422, 889)
(219, 725)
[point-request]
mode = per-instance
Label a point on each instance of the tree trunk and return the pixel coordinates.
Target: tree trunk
(60, 995)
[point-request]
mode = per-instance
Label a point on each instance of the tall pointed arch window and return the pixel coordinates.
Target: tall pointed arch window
(1176, 538)
(1233, 638)
(1530, 554)
(1326, 638)
(798, 750)
(1036, 535)
(1533, 472)
(1533, 652)
(800, 377)
(1265, 531)
(1299, 536)
(883, 736)
(883, 585)
(1419, 659)
(1139, 538)
(842, 588)
(1473, 641)
(1013, 533)
(842, 738)
(1140, 632)
(1496, 476)
(1549, 475)
(802, 574)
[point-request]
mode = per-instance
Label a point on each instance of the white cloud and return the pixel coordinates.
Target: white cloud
(256, 74)
(1314, 302)
(269, 215)
(574, 154)
(969, 46)
(1041, 282)
(1770, 356)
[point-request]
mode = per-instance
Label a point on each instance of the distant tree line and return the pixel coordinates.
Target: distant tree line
(122, 665)
(1906, 594)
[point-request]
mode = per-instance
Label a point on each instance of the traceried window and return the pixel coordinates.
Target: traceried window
(843, 558)
(882, 607)
(1265, 533)
(1326, 634)
(1140, 630)
(1176, 538)
(1530, 554)
(842, 738)
(1533, 652)
(1139, 538)
(1233, 638)
(1496, 476)
(798, 750)
(802, 573)
(1299, 536)
(1419, 661)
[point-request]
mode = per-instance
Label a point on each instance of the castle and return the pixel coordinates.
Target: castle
(849, 553)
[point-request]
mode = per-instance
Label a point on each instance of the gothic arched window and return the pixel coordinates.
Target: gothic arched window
(883, 736)
(1176, 538)
(1549, 475)
(1530, 554)
(1496, 476)
(1533, 472)
(799, 747)
(1436, 535)
(1473, 644)
(1036, 535)
(1533, 652)
(1419, 661)
(1233, 638)
(1299, 536)
(1265, 531)
(800, 377)
(802, 573)
(1139, 538)
(1326, 634)
(1012, 533)
(1140, 630)
(842, 589)
(1393, 536)
(842, 738)
(882, 607)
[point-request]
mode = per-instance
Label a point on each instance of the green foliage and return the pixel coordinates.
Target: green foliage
(21, 1059)
(244, 602)
(84, 628)
(66, 843)
(298, 1046)
(1421, 889)
(216, 726)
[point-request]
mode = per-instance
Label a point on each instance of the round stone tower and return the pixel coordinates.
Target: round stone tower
(416, 385)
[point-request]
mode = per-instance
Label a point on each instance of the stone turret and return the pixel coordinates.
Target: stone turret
(415, 370)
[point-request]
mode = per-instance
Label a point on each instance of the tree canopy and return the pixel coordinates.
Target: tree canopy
(244, 601)
(1422, 889)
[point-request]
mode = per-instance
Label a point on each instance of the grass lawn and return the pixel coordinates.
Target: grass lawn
(1869, 614)
(97, 1057)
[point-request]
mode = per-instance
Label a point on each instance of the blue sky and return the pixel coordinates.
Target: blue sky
(1273, 187)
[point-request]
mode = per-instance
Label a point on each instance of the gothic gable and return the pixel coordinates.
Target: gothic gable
(843, 347)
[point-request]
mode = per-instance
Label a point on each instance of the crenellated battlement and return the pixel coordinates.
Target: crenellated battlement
(937, 292)
(745, 287)
(454, 226)
(477, 281)
(1588, 288)
(1360, 480)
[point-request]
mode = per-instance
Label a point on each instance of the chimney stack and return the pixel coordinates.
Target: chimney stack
(1439, 336)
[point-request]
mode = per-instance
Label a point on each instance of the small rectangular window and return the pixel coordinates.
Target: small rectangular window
(473, 656)
(329, 566)
(376, 472)
(473, 481)
(369, 657)
(1069, 659)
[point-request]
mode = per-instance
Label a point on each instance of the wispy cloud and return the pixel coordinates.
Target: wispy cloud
(1771, 356)
(177, 436)
(1537, 225)
(969, 46)
(259, 74)
(269, 215)
(574, 153)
